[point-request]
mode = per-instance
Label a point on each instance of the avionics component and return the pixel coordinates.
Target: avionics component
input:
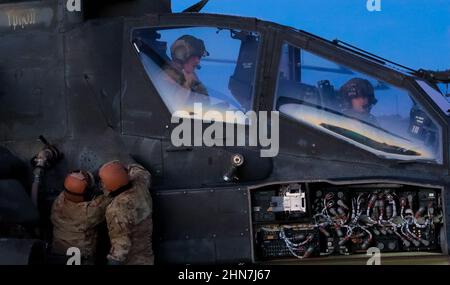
(387, 243)
(290, 202)
(291, 198)
(345, 220)
(390, 219)
(332, 246)
(287, 240)
(261, 206)
(279, 203)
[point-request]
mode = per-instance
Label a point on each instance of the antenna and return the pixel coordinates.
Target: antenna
(196, 7)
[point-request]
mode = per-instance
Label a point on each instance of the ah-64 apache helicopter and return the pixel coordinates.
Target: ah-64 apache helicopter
(88, 82)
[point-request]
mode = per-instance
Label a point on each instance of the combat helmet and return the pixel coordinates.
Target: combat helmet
(186, 46)
(358, 87)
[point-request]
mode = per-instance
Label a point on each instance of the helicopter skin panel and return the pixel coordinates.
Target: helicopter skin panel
(223, 235)
(17, 16)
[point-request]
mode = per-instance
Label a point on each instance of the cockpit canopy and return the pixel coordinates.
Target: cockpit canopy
(223, 80)
(386, 121)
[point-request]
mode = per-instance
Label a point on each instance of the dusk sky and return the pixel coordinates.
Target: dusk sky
(415, 33)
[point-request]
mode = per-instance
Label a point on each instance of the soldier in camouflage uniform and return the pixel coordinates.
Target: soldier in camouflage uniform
(76, 216)
(129, 216)
(186, 53)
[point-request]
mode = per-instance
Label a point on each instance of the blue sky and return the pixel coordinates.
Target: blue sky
(415, 33)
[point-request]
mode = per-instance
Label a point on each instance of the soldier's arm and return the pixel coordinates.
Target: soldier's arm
(96, 210)
(139, 174)
(199, 88)
(101, 201)
(119, 228)
(174, 76)
(55, 207)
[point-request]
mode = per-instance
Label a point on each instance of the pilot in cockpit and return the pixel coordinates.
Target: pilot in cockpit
(359, 99)
(186, 53)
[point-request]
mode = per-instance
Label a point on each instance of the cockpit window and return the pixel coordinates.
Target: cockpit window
(445, 90)
(211, 66)
(369, 113)
(439, 98)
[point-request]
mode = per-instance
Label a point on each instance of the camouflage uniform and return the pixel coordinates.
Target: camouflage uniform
(129, 218)
(199, 90)
(75, 225)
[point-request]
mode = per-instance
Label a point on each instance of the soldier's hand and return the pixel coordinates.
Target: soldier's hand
(190, 77)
